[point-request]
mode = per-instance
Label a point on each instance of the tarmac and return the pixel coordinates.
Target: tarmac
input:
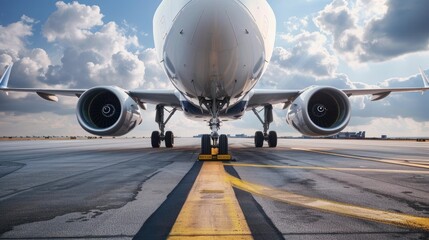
(303, 189)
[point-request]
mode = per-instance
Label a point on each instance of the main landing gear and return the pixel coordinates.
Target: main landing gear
(214, 146)
(271, 136)
(158, 136)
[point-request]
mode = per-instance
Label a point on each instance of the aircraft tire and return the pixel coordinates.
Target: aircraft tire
(206, 147)
(169, 139)
(272, 139)
(223, 144)
(259, 139)
(155, 139)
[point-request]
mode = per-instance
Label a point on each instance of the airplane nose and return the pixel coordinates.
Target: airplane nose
(213, 47)
(215, 29)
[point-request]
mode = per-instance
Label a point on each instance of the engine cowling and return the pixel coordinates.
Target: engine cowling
(320, 111)
(107, 111)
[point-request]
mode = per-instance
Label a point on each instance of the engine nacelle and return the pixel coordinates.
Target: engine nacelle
(107, 111)
(320, 111)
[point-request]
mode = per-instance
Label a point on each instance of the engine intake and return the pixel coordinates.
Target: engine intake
(107, 111)
(320, 111)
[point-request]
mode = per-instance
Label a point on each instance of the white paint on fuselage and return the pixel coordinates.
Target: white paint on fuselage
(214, 49)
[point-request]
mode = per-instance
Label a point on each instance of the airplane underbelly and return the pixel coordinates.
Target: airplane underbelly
(214, 50)
(234, 112)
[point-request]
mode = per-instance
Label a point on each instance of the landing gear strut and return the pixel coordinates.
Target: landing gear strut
(214, 146)
(271, 136)
(161, 135)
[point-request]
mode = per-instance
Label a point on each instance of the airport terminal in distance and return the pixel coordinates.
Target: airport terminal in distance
(340, 135)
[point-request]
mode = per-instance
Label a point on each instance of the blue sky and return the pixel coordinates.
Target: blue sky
(343, 43)
(135, 12)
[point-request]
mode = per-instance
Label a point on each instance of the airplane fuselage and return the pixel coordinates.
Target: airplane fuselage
(214, 50)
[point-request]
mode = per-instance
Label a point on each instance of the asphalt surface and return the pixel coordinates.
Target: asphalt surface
(122, 189)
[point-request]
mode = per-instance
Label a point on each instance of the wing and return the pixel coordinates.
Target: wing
(263, 97)
(380, 93)
(259, 97)
(169, 98)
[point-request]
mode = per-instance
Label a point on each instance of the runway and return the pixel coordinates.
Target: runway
(303, 189)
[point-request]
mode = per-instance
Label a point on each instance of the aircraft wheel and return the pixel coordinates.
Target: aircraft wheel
(259, 139)
(223, 144)
(272, 139)
(206, 144)
(169, 139)
(155, 139)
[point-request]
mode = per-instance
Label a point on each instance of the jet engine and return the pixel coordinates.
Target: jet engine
(319, 111)
(107, 111)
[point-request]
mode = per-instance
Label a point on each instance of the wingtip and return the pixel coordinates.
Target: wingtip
(424, 78)
(5, 77)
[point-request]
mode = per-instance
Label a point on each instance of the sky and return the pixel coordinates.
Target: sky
(340, 43)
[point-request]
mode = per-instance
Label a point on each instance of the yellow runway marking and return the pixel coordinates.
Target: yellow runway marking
(397, 219)
(211, 210)
(397, 162)
(327, 168)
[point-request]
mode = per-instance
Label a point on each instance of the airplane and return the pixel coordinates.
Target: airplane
(214, 53)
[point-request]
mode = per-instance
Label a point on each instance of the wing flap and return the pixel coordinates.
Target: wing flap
(49, 97)
(376, 97)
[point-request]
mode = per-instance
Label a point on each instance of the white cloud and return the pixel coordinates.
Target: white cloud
(71, 22)
(373, 31)
(295, 24)
(155, 76)
(403, 29)
(13, 37)
(30, 69)
(368, 10)
(306, 55)
(30, 64)
(94, 53)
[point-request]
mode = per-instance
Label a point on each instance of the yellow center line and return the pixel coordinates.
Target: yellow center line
(349, 210)
(409, 159)
(397, 162)
(326, 168)
(415, 161)
(211, 210)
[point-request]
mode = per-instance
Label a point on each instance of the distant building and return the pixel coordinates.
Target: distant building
(350, 135)
(241, 135)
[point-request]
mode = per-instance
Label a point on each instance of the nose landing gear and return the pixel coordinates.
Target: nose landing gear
(211, 151)
(214, 146)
